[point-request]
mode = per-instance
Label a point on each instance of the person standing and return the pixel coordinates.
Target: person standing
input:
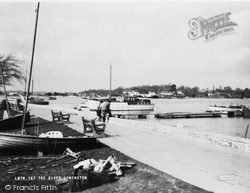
(99, 111)
(105, 110)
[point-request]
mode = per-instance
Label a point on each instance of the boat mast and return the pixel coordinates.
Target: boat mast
(6, 98)
(32, 91)
(24, 93)
(31, 67)
(110, 82)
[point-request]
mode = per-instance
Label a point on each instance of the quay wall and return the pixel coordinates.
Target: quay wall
(232, 142)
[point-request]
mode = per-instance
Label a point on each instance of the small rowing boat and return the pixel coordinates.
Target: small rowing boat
(10, 143)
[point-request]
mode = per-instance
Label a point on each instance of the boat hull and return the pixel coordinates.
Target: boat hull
(14, 122)
(123, 108)
(39, 102)
(52, 98)
(82, 106)
(26, 143)
(246, 112)
(227, 109)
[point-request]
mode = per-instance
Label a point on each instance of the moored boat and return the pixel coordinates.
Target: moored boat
(246, 112)
(29, 143)
(82, 105)
(237, 110)
(14, 121)
(52, 98)
(9, 118)
(226, 107)
(124, 106)
(38, 101)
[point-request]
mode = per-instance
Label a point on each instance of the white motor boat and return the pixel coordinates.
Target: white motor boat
(225, 109)
(124, 106)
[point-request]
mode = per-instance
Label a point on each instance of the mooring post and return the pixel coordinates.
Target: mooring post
(39, 153)
(246, 131)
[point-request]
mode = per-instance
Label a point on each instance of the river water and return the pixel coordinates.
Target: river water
(230, 126)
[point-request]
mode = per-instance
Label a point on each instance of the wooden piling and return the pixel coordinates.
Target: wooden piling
(246, 131)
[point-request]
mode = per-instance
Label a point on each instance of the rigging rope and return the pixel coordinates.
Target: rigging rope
(157, 107)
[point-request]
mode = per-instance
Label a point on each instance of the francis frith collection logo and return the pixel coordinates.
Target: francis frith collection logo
(211, 28)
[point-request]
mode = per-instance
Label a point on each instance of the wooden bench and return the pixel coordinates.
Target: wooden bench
(59, 116)
(64, 117)
(87, 126)
(55, 116)
(91, 126)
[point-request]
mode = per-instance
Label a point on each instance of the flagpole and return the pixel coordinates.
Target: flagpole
(110, 81)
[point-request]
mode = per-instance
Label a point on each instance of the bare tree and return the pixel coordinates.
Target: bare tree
(11, 69)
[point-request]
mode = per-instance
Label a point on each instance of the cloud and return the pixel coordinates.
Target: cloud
(242, 62)
(147, 43)
(236, 62)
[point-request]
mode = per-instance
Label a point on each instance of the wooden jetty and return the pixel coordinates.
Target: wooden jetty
(174, 115)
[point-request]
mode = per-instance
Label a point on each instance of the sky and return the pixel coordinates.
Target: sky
(145, 42)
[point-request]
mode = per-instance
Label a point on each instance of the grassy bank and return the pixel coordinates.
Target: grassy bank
(35, 172)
